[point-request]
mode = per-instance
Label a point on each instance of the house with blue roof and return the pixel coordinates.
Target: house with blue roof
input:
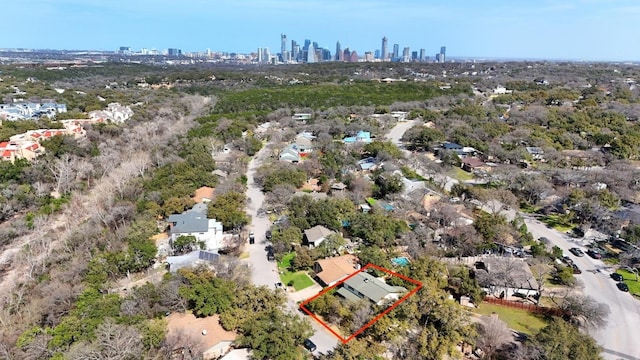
(361, 137)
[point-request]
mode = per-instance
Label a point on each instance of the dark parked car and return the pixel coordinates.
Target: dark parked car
(271, 256)
(268, 234)
(622, 286)
(594, 254)
(309, 345)
(567, 260)
(252, 238)
(616, 277)
(576, 269)
(576, 252)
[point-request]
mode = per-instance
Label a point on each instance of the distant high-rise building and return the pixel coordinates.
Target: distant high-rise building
(423, 55)
(259, 57)
(396, 52)
(406, 54)
(443, 51)
(338, 51)
(266, 55)
(283, 43)
(311, 53)
(346, 55)
(438, 57)
(368, 56)
(284, 54)
(295, 51)
(377, 54)
(353, 57)
(385, 48)
(414, 55)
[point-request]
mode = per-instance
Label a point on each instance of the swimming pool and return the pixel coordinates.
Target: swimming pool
(400, 261)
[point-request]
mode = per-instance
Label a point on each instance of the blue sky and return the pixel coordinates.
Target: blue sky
(540, 29)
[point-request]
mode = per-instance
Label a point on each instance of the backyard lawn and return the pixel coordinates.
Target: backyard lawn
(299, 279)
(516, 319)
(462, 175)
(630, 280)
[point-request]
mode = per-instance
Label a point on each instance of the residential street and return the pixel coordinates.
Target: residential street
(618, 337)
(264, 272)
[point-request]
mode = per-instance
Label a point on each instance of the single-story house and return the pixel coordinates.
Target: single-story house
(505, 274)
(536, 152)
(316, 235)
(367, 164)
(365, 286)
(471, 164)
(304, 142)
(204, 194)
(211, 340)
(361, 137)
(331, 270)
(290, 153)
(195, 222)
(191, 259)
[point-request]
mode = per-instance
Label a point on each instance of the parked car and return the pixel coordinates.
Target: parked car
(576, 269)
(268, 235)
(567, 260)
(309, 345)
(252, 238)
(594, 254)
(271, 256)
(576, 252)
(617, 277)
(622, 286)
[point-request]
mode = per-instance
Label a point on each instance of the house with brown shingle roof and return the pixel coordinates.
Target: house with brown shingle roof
(331, 270)
(211, 339)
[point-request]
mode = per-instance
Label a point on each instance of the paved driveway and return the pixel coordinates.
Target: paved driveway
(264, 272)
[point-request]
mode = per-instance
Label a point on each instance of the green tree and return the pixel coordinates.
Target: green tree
(265, 335)
(228, 208)
(184, 243)
(560, 341)
(206, 294)
(377, 229)
(384, 149)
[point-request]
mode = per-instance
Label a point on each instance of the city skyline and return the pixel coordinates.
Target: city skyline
(599, 30)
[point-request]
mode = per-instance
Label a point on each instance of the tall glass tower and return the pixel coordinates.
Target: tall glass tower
(385, 48)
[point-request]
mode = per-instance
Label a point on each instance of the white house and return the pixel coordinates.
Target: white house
(195, 222)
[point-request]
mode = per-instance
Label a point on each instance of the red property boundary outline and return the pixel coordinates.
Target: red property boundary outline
(387, 310)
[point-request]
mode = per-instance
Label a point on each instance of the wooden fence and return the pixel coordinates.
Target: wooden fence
(542, 310)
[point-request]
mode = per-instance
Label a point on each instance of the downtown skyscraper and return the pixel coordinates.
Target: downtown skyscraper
(385, 49)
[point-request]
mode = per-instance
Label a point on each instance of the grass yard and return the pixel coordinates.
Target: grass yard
(299, 279)
(556, 222)
(630, 280)
(285, 263)
(462, 175)
(516, 319)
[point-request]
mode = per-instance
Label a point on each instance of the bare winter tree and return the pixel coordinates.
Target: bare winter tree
(585, 310)
(493, 334)
(62, 170)
(113, 342)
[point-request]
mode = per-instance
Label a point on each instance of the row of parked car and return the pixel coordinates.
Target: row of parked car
(594, 253)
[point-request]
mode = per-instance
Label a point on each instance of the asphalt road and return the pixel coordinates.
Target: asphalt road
(617, 338)
(264, 272)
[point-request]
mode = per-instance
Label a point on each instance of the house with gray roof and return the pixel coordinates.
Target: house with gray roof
(365, 286)
(316, 235)
(290, 153)
(195, 222)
